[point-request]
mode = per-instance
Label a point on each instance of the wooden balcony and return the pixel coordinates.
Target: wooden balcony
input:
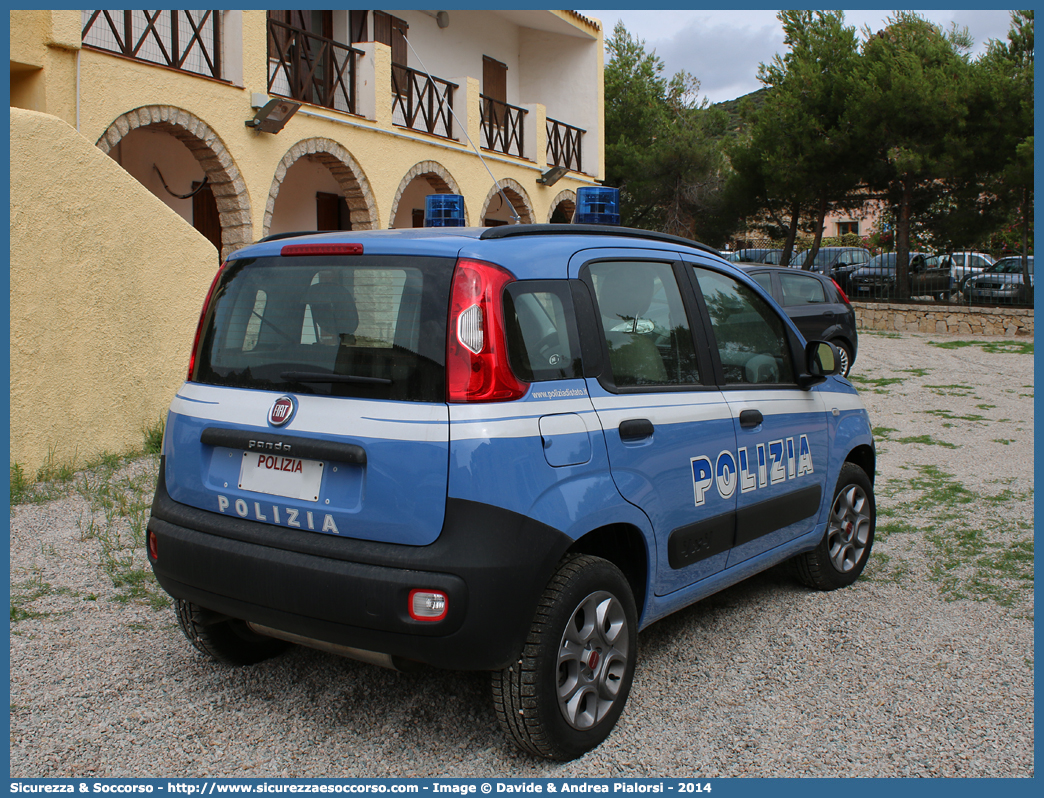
(563, 145)
(420, 102)
(502, 126)
(309, 68)
(189, 41)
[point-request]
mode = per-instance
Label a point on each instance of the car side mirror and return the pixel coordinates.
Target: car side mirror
(822, 360)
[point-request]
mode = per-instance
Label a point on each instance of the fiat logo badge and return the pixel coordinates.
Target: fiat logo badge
(281, 411)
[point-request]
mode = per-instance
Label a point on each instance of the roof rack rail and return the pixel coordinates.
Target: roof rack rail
(510, 231)
(294, 234)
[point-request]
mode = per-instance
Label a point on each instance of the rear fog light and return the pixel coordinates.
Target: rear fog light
(150, 537)
(428, 605)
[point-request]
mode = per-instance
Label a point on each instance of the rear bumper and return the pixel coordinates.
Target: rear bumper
(492, 565)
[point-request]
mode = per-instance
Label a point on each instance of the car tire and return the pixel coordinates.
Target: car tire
(846, 356)
(225, 640)
(564, 694)
(842, 554)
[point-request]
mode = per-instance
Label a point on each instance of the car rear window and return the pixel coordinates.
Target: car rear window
(802, 289)
(361, 326)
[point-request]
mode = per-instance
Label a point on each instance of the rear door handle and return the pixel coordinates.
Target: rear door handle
(634, 429)
(750, 418)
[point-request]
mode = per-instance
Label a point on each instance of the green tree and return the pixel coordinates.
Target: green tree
(912, 100)
(1008, 80)
(662, 146)
(809, 156)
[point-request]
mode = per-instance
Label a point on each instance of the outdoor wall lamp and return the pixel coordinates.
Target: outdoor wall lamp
(552, 175)
(441, 17)
(271, 117)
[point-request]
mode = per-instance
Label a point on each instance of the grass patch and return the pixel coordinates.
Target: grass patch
(988, 561)
(153, 436)
(119, 500)
(949, 416)
(927, 440)
(950, 390)
(916, 372)
(1004, 441)
(24, 593)
(55, 478)
(992, 347)
(875, 384)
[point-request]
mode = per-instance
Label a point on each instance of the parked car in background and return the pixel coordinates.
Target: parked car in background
(877, 278)
(830, 259)
(754, 256)
(838, 263)
(816, 304)
(943, 276)
(1002, 283)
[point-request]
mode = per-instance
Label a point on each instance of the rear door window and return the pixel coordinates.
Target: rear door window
(541, 331)
(365, 326)
(644, 323)
(800, 289)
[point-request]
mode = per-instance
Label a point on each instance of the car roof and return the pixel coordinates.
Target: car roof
(766, 267)
(448, 241)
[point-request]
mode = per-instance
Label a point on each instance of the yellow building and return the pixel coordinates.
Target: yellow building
(385, 108)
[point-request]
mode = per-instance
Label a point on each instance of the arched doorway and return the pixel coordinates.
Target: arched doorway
(426, 177)
(181, 160)
(319, 185)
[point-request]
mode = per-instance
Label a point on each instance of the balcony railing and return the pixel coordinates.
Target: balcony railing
(420, 102)
(185, 40)
(310, 68)
(563, 145)
(502, 126)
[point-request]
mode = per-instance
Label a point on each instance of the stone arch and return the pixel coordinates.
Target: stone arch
(438, 178)
(564, 201)
(230, 191)
(343, 167)
(516, 194)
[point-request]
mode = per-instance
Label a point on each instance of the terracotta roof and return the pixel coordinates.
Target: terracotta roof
(586, 20)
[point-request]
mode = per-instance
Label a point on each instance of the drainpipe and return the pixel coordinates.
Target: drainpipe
(78, 90)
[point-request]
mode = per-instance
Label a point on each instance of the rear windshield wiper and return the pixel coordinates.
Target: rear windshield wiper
(318, 376)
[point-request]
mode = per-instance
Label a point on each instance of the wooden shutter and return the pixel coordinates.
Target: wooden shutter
(392, 31)
(357, 26)
(494, 79)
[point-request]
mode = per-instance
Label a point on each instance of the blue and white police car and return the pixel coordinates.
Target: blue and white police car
(508, 449)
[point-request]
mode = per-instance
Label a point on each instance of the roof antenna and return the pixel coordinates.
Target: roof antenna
(514, 214)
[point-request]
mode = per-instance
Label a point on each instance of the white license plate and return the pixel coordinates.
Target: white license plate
(281, 476)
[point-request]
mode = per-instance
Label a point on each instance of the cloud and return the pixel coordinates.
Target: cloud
(723, 48)
(723, 56)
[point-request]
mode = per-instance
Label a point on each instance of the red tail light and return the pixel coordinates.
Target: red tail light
(477, 367)
(840, 290)
(202, 316)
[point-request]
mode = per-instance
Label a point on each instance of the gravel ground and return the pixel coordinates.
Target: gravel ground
(922, 668)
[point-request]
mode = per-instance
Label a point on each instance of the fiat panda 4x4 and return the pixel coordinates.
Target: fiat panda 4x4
(506, 449)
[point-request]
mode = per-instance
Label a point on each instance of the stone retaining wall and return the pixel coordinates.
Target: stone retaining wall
(952, 320)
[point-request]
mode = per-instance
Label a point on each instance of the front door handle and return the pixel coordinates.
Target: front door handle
(751, 418)
(634, 429)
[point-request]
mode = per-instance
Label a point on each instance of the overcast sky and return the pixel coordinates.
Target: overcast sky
(723, 48)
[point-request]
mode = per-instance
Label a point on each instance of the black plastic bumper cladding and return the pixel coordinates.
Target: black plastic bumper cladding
(491, 563)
